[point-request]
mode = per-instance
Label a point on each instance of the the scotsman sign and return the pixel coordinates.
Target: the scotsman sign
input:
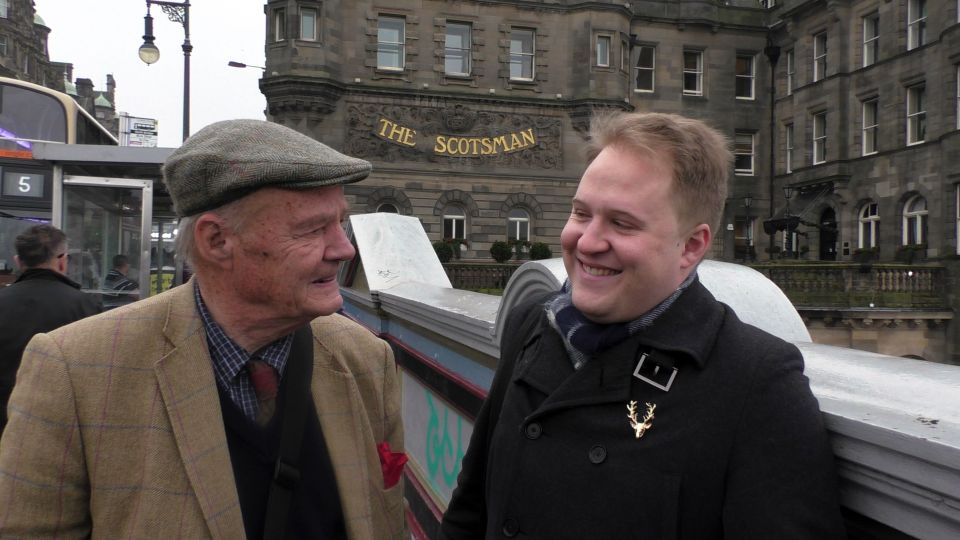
(449, 145)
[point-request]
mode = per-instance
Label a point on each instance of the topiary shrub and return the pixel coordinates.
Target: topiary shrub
(539, 251)
(501, 251)
(444, 251)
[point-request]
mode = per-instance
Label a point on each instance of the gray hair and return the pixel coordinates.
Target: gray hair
(235, 215)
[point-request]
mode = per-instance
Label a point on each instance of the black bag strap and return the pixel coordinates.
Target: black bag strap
(296, 400)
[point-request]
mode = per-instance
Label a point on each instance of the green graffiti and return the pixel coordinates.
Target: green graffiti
(442, 460)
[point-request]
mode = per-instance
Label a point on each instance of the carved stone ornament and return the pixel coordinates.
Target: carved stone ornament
(396, 133)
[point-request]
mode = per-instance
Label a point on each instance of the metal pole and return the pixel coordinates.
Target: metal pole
(773, 54)
(187, 49)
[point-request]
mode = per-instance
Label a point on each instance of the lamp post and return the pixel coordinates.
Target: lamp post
(235, 64)
(747, 202)
(772, 52)
(177, 12)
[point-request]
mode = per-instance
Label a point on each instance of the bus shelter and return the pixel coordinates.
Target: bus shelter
(112, 205)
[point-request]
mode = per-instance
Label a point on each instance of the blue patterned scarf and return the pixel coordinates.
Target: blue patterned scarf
(583, 338)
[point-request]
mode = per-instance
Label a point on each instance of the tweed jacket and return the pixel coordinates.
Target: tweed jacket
(735, 449)
(116, 429)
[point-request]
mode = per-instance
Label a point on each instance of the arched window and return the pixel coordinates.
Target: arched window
(518, 225)
(914, 220)
(869, 226)
(388, 208)
(454, 222)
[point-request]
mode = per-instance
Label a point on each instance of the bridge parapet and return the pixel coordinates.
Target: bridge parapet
(894, 422)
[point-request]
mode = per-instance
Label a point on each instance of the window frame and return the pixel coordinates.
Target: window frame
(751, 76)
(871, 45)
(453, 219)
(4, 9)
(652, 70)
(516, 224)
(279, 24)
(916, 114)
(791, 67)
(916, 24)
(400, 45)
(522, 56)
(914, 221)
(744, 228)
(697, 73)
(597, 60)
(819, 133)
(316, 23)
(819, 56)
(466, 50)
(788, 141)
(3, 46)
(738, 153)
(870, 222)
(871, 129)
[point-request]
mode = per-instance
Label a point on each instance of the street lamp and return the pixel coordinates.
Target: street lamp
(232, 63)
(787, 194)
(177, 12)
(747, 202)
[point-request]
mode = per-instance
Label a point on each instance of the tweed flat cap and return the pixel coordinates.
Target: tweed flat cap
(227, 160)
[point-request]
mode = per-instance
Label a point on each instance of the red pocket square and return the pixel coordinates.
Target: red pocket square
(391, 463)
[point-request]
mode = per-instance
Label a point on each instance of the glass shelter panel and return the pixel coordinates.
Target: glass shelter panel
(107, 221)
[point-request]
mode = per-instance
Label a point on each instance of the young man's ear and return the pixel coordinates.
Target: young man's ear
(213, 239)
(696, 245)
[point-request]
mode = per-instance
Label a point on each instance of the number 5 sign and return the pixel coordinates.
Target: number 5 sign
(18, 184)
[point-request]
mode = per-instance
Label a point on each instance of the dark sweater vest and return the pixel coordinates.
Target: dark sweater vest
(315, 509)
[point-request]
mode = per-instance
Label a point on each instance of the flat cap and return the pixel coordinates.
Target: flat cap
(228, 160)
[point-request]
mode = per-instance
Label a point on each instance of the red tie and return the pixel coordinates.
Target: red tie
(265, 382)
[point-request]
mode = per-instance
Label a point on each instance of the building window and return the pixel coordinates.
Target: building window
(646, 69)
(819, 56)
(603, 51)
(456, 49)
(388, 208)
(454, 223)
(390, 42)
(768, 3)
(819, 138)
(4, 8)
(279, 24)
(3, 45)
(914, 221)
(518, 225)
(693, 73)
(869, 127)
(916, 23)
(791, 71)
(916, 114)
(871, 39)
(743, 153)
(746, 74)
(788, 144)
(957, 90)
(956, 189)
(624, 56)
(308, 24)
(869, 226)
(522, 53)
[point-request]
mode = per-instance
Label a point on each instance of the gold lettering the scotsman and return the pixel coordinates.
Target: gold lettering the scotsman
(459, 146)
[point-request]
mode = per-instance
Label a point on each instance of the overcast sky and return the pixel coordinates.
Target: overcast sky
(103, 36)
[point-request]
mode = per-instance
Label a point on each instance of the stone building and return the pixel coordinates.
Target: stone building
(474, 115)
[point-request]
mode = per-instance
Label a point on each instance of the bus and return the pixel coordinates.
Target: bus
(30, 113)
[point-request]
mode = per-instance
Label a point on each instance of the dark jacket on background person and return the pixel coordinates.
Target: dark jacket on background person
(737, 447)
(40, 300)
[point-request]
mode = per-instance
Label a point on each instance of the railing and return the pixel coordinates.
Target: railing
(479, 276)
(866, 286)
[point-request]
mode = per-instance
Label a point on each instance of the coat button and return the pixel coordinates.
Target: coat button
(598, 454)
(510, 527)
(533, 431)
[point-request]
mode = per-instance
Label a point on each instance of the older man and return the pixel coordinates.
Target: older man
(633, 404)
(42, 299)
(236, 405)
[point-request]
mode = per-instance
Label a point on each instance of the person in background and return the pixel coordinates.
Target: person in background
(633, 404)
(42, 299)
(127, 290)
(238, 405)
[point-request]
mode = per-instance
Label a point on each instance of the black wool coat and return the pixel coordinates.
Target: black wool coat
(39, 301)
(735, 449)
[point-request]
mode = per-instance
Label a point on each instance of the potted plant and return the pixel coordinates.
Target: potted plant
(443, 250)
(866, 255)
(540, 250)
(501, 251)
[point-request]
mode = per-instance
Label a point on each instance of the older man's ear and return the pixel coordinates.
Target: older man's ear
(214, 240)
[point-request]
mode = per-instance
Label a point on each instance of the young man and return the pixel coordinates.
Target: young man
(632, 404)
(168, 417)
(42, 299)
